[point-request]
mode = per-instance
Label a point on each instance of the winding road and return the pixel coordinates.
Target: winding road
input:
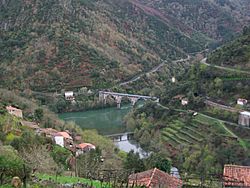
(204, 62)
(154, 69)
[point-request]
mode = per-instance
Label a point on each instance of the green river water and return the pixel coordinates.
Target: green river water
(106, 121)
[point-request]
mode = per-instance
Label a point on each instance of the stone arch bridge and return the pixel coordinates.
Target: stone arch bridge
(118, 97)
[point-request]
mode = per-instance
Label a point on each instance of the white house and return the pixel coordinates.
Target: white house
(241, 102)
(184, 101)
(69, 95)
(59, 140)
(63, 139)
(83, 148)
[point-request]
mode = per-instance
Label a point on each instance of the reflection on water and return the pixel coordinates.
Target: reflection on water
(106, 121)
(127, 145)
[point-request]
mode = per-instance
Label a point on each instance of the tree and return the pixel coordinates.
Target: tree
(89, 163)
(11, 164)
(38, 114)
(61, 105)
(133, 162)
(158, 161)
(200, 162)
(60, 155)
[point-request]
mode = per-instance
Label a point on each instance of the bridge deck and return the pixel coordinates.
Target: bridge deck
(119, 134)
(128, 95)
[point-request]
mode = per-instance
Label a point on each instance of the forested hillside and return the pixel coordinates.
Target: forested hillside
(235, 54)
(218, 19)
(51, 45)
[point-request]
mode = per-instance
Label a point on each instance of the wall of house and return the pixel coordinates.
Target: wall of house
(59, 140)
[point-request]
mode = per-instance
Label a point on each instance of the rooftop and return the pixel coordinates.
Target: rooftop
(65, 135)
(235, 175)
(245, 113)
(84, 145)
(69, 93)
(29, 124)
(153, 178)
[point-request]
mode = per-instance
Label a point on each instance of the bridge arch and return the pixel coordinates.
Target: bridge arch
(103, 95)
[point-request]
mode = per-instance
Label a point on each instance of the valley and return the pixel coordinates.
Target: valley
(124, 93)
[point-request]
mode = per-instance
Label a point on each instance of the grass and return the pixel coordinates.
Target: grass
(69, 179)
(193, 131)
(191, 136)
(6, 186)
(207, 119)
(170, 136)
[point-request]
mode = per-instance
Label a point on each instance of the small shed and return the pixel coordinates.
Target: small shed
(244, 118)
(69, 95)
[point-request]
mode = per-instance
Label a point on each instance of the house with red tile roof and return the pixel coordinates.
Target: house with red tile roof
(83, 148)
(63, 139)
(14, 111)
(154, 178)
(236, 176)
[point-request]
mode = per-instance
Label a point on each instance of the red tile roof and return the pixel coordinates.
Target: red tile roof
(236, 176)
(154, 178)
(84, 145)
(65, 135)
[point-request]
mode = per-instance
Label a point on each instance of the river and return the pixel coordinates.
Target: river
(106, 121)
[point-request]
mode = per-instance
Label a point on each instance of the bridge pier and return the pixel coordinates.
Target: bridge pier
(118, 100)
(133, 100)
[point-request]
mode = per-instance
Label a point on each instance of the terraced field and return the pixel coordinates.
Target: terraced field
(178, 133)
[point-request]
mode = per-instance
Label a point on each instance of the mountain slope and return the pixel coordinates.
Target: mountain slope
(218, 19)
(235, 54)
(51, 45)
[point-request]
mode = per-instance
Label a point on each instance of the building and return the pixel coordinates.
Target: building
(48, 132)
(173, 80)
(236, 176)
(242, 102)
(69, 96)
(63, 139)
(175, 172)
(14, 111)
(31, 125)
(83, 148)
(244, 118)
(154, 178)
(184, 101)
